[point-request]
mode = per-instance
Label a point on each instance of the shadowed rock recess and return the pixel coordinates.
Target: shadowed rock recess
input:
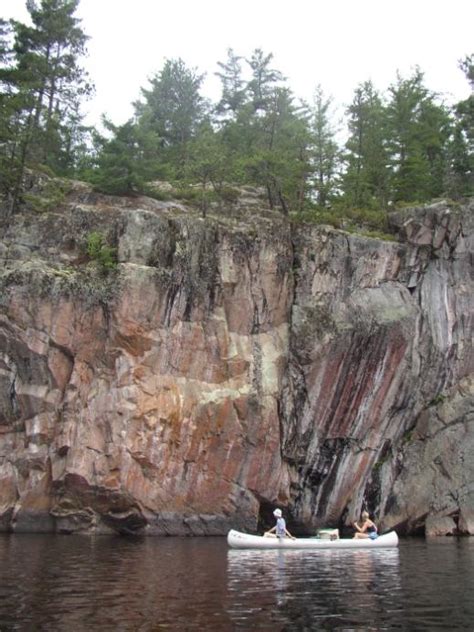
(232, 364)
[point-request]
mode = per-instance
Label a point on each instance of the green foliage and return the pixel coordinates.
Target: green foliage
(273, 149)
(418, 131)
(439, 399)
(42, 86)
(233, 87)
(50, 196)
(156, 193)
(365, 181)
(208, 164)
(262, 85)
(382, 461)
(319, 215)
(229, 194)
(369, 222)
(100, 252)
(459, 175)
(188, 193)
(373, 234)
(173, 110)
(409, 436)
(324, 152)
(405, 146)
(127, 161)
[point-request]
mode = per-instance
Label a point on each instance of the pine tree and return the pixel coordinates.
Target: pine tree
(418, 131)
(173, 109)
(460, 171)
(233, 85)
(8, 108)
(6, 52)
(267, 136)
(278, 154)
(48, 52)
(46, 84)
(209, 164)
(365, 179)
(264, 79)
(324, 150)
(127, 161)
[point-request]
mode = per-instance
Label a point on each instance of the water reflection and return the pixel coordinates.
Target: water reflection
(70, 583)
(73, 583)
(311, 589)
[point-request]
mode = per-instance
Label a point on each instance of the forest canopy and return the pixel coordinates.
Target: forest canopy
(401, 146)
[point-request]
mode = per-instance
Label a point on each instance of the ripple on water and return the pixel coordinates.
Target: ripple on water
(112, 583)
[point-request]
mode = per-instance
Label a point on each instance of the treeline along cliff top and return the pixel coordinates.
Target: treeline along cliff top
(402, 146)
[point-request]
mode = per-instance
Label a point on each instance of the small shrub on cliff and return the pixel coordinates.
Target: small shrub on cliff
(188, 193)
(157, 194)
(439, 399)
(319, 216)
(375, 234)
(100, 252)
(47, 194)
(363, 221)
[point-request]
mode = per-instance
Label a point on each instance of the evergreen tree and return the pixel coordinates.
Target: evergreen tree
(278, 156)
(208, 163)
(6, 50)
(264, 79)
(127, 161)
(267, 137)
(365, 179)
(173, 109)
(48, 52)
(324, 150)
(46, 84)
(233, 85)
(460, 172)
(417, 138)
(435, 130)
(8, 107)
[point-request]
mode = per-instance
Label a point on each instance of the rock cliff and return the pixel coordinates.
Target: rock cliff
(230, 364)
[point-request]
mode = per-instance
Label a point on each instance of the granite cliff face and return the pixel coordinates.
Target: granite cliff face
(231, 364)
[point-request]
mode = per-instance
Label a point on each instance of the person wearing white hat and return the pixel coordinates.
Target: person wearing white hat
(279, 530)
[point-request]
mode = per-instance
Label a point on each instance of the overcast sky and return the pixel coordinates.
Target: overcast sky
(337, 43)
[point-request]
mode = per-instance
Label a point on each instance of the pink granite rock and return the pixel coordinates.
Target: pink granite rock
(229, 365)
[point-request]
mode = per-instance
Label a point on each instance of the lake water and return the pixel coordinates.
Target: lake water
(74, 583)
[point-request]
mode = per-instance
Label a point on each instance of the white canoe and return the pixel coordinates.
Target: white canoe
(238, 540)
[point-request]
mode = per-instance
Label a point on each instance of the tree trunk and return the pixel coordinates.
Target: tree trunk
(52, 90)
(284, 206)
